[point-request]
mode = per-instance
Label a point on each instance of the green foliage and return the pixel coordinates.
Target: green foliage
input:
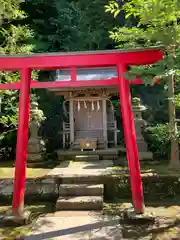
(157, 20)
(159, 139)
(155, 100)
(10, 10)
(157, 23)
(69, 25)
(178, 100)
(52, 108)
(13, 39)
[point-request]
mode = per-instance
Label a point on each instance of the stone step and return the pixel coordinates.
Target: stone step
(109, 151)
(85, 158)
(100, 146)
(81, 190)
(76, 144)
(85, 179)
(80, 203)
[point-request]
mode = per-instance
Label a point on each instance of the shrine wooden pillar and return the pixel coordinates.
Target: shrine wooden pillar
(71, 116)
(22, 143)
(104, 110)
(130, 139)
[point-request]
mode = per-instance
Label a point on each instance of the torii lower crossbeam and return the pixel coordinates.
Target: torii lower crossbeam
(119, 59)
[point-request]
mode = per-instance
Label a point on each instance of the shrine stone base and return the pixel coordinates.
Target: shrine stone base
(131, 217)
(35, 160)
(9, 219)
(145, 156)
(98, 154)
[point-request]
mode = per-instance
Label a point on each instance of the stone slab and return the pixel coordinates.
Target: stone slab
(76, 169)
(84, 158)
(131, 217)
(81, 190)
(77, 213)
(35, 187)
(80, 203)
(85, 179)
(90, 227)
(8, 219)
(145, 155)
(109, 151)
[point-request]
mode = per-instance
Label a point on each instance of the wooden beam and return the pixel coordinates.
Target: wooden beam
(71, 116)
(104, 114)
(67, 84)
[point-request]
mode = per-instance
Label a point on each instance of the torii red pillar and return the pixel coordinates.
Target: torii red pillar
(130, 138)
(22, 143)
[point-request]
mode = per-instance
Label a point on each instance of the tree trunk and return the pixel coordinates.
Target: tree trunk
(174, 156)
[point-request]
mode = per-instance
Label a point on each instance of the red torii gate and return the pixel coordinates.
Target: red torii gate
(117, 58)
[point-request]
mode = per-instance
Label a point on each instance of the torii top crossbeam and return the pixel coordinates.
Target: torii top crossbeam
(117, 58)
(80, 59)
(74, 60)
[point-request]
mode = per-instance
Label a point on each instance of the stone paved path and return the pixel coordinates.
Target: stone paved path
(76, 226)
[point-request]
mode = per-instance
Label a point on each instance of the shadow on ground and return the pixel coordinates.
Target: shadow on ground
(109, 229)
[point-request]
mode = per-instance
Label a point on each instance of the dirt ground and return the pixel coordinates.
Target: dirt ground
(165, 227)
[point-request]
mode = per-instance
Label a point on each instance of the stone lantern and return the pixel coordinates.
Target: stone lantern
(36, 146)
(139, 124)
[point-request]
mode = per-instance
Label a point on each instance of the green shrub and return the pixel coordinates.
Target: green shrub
(158, 139)
(8, 144)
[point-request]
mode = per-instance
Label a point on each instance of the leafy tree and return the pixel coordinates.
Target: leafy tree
(13, 37)
(71, 25)
(157, 24)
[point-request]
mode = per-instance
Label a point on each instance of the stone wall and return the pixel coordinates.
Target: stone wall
(36, 189)
(155, 188)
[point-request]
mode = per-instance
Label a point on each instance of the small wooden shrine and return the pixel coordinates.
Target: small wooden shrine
(89, 121)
